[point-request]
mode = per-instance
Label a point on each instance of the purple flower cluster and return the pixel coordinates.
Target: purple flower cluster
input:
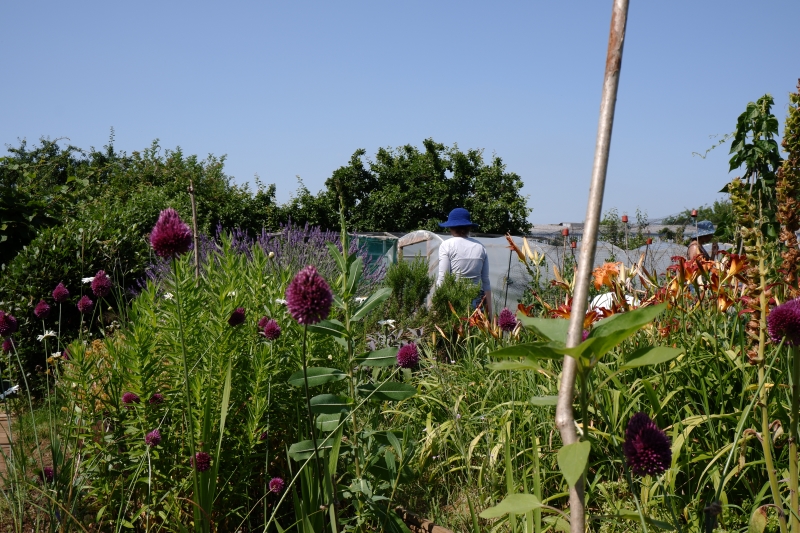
(507, 321)
(153, 438)
(408, 356)
(647, 449)
(8, 345)
(60, 293)
(171, 237)
(8, 324)
(783, 322)
(130, 398)
(156, 399)
(309, 297)
(237, 317)
(202, 461)
(276, 485)
(269, 328)
(48, 474)
(101, 284)
(85, 305)
(42, 310)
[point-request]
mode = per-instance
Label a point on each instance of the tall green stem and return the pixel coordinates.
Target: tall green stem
(199, 521)
(311, 423)
(793, 487)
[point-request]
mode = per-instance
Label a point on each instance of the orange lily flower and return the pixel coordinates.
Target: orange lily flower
(605, 274)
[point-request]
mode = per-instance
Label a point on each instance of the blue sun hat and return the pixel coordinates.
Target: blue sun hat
(704, 227)
(458, 217)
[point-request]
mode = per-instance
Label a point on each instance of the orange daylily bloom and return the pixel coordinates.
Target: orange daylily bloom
(724, 302)
(515, 248)
(605, 274)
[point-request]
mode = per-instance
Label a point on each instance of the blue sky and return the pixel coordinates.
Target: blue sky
(294, 88)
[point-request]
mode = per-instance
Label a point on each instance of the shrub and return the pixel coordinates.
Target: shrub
(410, 284)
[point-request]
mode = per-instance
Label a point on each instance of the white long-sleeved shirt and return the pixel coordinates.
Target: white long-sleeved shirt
(466, 258)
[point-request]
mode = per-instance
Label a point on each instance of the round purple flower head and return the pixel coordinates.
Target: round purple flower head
(271, 330)
(585, 335)
(276, 485)
(8, 324)
(237, 317)
(783, 322)
(156, 399)
(101, 284)
(65, 354)
(42, 310)
(171, 236)
(130, 398)
(309, 297)
(8, 345)
(153, 438)
(506, 320)
(85, 305)
(408, 356)
(60, 293)
(48, 474)
(647, 448)
(202, 461)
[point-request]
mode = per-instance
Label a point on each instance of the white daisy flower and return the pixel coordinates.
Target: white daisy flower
(232, 294)
(49, 333)
(87, 280)
(168, 296)
(388, 322)
(360, 299)
(280, 301)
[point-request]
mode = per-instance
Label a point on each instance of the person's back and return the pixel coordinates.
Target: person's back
(466, 258)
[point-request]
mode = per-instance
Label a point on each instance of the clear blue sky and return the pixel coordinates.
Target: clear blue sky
(293, 88)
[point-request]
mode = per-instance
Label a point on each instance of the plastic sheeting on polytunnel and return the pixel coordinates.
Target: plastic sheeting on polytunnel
(508, 275)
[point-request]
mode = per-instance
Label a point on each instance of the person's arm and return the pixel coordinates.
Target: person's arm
(444, 264)
(486, 285)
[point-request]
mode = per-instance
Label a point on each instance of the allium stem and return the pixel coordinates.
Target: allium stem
(311, 423)
(793, 437)
(198, 516)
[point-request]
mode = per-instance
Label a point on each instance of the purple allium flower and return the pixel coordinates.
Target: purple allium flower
(60, 293)
(85, 305)
(783, 322)
(263, 321)
(171, 236)
(65, 354)
(130, 398)
(237, 317)
(202, 461)
(276, 485)
(8, 324)
(48, 474)
(585, 335)
(153, 438)
(8, 345)
(271, 330)
(647, 448)
(408, 356)
(101, 284)
(309, 297)
(506, 320)
(42, 310)
(156, 399)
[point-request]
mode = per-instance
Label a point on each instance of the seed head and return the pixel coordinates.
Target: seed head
(60, 293)
(101, 284)
(202, 461)
(647, 448)
(276, 485)
(171, 237)
(783, 322)
(8, 324)
(42, 310)
(85, 305)
(237, 317)
(309, 297)
(506, 320)
(408, 356)
(153, 438)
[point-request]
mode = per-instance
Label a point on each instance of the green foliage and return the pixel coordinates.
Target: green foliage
(720, 214)
(410, 284)
(456, 292)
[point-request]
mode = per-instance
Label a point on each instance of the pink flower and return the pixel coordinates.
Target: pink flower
(237, 317)
(309, 297)
(130, 398)
(85, 305)
(408, 356)
(171, 237)
(783, 322)
(276, 485)
(507, 321)
(156, 399)
(202, 461)
(153, 438)
(271, 330)
(8, 324)
(8, 345)
(101, 284)
(42, 310)
(60, 293)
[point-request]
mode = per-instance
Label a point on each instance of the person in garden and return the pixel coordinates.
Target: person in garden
(465, 257)
(705, 231)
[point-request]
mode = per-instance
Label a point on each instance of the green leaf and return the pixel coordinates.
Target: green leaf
(758, 521)
(553, 329)
(377, 298)
(354, 275)
(316, 376)
(328, 422)
(514, 365)
(330, 403)
(390, 392)
(333, 328)
(382, 357)
(544, 401)
(300, 451)
(513, 504)
(629, 514)
(572, 460)
(536, 350)
(652, 355)
(611, 331)
(337, 256)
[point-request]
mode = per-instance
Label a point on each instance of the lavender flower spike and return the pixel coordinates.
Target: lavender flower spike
(171, 237)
